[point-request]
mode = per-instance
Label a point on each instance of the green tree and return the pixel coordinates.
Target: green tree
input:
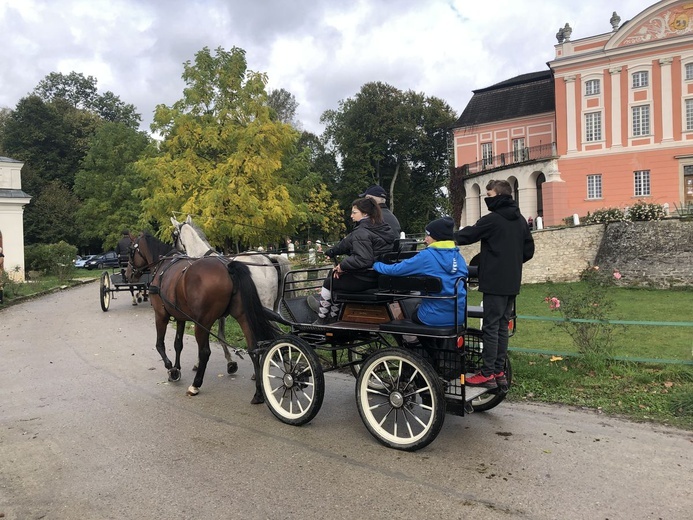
(53, 216)
(395, 139)
(221, 157)
(284, 105)
(107, 183)
(81, 93)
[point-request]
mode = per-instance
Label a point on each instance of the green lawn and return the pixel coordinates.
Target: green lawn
(631, 304)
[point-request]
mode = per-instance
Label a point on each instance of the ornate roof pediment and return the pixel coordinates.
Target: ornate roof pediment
(666, 19)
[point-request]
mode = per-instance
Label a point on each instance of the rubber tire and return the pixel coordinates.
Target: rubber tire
(393, 398)
(491, 400)
(279, 381)
(105, 291)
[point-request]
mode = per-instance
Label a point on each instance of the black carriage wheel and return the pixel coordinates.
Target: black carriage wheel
(292, 380)
(400, 399)
(105, 291)
(491, 400)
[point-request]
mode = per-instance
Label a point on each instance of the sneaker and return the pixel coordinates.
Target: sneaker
(501, 380)
(479, 379)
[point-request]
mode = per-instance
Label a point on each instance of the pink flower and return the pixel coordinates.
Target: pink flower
(617, 275)
(554, 303)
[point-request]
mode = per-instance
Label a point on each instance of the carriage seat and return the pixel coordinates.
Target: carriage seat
(410, 327)
(369, 296)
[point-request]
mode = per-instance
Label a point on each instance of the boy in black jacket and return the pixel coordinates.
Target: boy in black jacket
(506, 243)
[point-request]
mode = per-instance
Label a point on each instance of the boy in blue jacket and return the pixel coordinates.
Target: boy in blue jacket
(441, 258)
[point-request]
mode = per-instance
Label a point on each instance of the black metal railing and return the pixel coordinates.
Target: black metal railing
(506, 160)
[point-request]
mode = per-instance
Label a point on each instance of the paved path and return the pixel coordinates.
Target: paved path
(90, 429)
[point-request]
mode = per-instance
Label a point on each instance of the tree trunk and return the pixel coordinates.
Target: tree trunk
(392, 188)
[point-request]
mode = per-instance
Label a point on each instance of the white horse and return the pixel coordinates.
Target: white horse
(267, 271)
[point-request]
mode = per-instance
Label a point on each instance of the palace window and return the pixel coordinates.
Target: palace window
(640, 79)
(594, 186)
(642, 183)
(591, 87)
(689, 71)
(689, 114)
(519, 149)
(487, 155)
(641, 120)
(593, 126)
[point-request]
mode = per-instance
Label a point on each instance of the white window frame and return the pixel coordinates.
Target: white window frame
(688, 71)
(688, 114)
(519, 149)
(593, 127)
(641, 181)
(641, 79)
(594, 186)
(487, 155)
(640, 120)
(592, 87)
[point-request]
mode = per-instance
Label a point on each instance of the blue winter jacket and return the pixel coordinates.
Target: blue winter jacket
(441, 259)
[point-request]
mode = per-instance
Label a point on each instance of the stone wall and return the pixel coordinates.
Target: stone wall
(645, 253)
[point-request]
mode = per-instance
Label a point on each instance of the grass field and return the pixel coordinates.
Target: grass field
(631, 304)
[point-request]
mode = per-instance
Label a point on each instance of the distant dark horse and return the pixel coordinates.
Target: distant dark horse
(200, 290)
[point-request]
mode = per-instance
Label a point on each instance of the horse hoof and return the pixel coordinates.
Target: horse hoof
(194, 368)
(174, 374)
(192, 390)
(232, 367)
(258, 399)
(134, 303)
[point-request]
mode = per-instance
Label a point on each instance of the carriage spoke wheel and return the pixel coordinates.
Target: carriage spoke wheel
(105, 291)
(292, 380)
(491, 400)
(400, 399)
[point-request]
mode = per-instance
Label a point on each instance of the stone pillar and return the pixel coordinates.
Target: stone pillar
(571, 123)
(667, 101)
(616, 139)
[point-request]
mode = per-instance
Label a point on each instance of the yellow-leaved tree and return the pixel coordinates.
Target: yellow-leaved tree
(223, 156)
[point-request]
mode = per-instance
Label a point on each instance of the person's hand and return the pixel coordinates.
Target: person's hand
(337, 271)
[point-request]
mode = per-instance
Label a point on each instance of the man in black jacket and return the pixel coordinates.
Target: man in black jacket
(506, 243)
(377, 193)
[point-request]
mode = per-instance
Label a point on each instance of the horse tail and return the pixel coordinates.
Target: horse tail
(261, 327)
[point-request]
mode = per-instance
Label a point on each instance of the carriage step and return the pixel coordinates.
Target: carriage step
(472, 392)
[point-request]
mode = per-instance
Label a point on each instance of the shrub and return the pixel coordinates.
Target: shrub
(642, 210)
(590, 303)
(603, 216)
(55, 259)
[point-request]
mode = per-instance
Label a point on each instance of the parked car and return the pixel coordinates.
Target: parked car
(108, 259)
(81, 260)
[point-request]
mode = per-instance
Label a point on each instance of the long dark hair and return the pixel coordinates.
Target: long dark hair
(371, 208)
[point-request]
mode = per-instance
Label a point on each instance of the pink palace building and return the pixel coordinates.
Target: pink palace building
(609, 124)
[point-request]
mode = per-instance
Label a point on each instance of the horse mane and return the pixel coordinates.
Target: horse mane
(198, 230)
(156, 247)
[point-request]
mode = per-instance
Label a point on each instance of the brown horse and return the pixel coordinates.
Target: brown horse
(200, 290)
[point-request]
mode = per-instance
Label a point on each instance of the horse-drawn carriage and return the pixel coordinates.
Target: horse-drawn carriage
(115, 282)
(407, 375)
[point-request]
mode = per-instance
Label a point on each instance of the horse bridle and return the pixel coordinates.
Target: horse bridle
(135, 250)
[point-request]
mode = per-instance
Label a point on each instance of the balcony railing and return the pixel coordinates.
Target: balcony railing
(514, 158)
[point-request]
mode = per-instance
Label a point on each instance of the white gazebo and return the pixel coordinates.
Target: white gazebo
(12, 202)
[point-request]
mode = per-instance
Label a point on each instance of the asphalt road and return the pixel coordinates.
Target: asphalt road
(91, 429)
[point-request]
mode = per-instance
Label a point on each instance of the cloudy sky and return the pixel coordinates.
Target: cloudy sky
(322, 51)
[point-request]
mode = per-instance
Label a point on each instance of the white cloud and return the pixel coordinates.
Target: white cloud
(322, 51)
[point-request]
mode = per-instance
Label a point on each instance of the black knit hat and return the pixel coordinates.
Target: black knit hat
(440, 229)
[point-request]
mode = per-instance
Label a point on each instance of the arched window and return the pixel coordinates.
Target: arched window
(541, 179)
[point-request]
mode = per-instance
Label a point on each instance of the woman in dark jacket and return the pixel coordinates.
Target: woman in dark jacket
(370, 238)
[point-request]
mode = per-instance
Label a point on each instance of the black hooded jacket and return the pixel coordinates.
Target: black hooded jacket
(364, 245)
(506, 243)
